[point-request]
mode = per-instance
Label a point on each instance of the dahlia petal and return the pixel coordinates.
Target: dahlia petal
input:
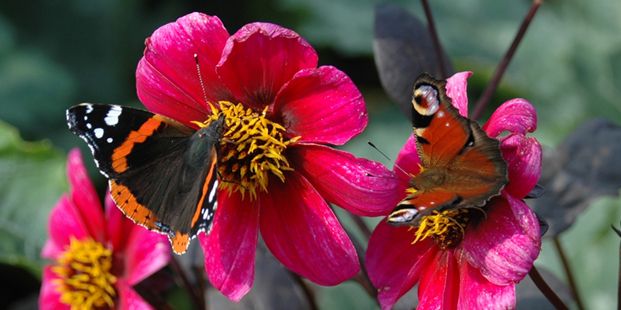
(259, 59)
(523, 156)
(476, 292)
(439, 283)
(456, 89)
(391, 259)
(231, 245)
(407, 161)
(321, 105)
(65, 222)
(84, 195)
(515, 116)
(303, 233)
(504, 245)
(167, 77)
(49, 298)
(145, 253)
(129, 299)
(118, 226)
(357, 185)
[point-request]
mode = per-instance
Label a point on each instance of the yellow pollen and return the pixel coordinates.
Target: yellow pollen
(252, 148)
(85, 280)
(446, 228)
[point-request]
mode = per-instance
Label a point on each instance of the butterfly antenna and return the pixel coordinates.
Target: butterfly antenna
(463, 232)
(389, 159)
(232, 181)
(200, 78)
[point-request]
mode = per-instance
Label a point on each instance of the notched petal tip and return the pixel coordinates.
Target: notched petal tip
(515, 116)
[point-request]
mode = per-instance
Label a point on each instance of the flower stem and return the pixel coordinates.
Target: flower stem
(493, 84)
(362, 226)
(570, 276)
(310, 296)
(197, 299)
(362, 277)
(434, 37)
(546, 290)
(619, 281)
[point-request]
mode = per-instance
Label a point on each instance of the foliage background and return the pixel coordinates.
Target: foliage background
(54, 54)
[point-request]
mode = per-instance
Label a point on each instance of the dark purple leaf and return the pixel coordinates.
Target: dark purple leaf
(403, 50)
(585, 166)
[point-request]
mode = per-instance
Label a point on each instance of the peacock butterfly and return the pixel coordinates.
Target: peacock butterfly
(461, 166)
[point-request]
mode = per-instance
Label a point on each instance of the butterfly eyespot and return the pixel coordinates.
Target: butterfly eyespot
(429, 102)
(402, 216)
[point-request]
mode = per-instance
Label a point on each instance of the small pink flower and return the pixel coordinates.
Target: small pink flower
(496, 251)
(268, 73)
(97, 257)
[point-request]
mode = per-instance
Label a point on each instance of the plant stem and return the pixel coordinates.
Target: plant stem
(310, 296)
(197, 299)
(546, 290)
(570, 276)
(493, 84)
(434, 37)
(362, 226)
(619, 280)
(362, 277)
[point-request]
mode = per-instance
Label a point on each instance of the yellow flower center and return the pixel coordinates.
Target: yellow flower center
(252, 148)
(447, 229)
(85, 280)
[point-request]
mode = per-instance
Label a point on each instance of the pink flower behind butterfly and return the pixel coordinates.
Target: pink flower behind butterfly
(276, 172)
(97, 258)
(496, 251)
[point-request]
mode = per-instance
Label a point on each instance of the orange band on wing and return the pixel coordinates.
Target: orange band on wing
(119, 155)
(205, 187)
(131, 208)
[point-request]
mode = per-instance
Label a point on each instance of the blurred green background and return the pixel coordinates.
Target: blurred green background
(54, 54)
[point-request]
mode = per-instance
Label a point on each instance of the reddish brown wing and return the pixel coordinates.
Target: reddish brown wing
(462, 166)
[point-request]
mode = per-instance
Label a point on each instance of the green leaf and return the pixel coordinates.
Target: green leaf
(32, 179)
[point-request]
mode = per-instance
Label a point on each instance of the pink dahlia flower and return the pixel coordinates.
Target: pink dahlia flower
(496, 250)
(276, 175)
(97, 257)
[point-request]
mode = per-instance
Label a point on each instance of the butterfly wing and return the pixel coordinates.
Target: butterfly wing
(462, 166)
(162, 173)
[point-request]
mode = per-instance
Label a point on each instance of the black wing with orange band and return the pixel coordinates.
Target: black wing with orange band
(162, 173)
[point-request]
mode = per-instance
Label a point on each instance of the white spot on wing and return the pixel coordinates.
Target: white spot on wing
(214, 190)
(441, 114)
(109, 140)
(89, 126)
(98, 133)
(89, 109)
(112, 118)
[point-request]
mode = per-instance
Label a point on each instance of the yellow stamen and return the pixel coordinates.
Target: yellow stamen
(446, 228)
(85, 280)
(252, 147)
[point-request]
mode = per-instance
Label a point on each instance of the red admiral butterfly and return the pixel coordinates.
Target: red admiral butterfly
(162, 173)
